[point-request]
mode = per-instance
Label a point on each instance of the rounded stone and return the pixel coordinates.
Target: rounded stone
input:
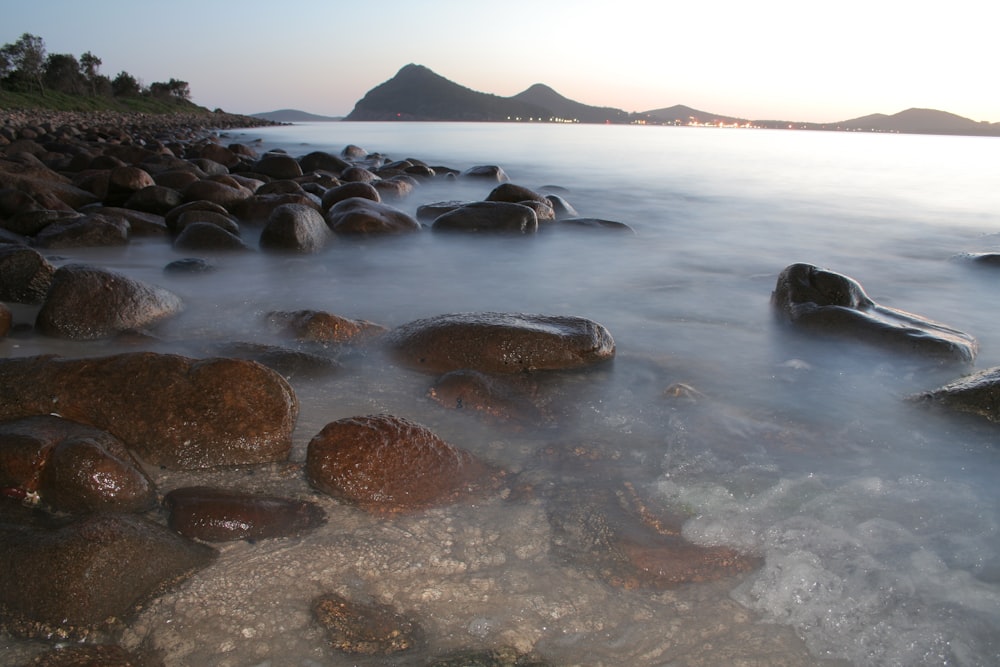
(488, 217)
(348, 190)
(25, 275)
(294, 228)
(221, 515)
(357, 215)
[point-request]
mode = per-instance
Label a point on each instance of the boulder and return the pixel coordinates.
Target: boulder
(295, 228)
(357, 174)
(220, 219)
(208, 237)
(68, 581)
(88, 303)
(278, 166)
(322, 161)
(596, 223)
(358, 215)
(170, 410)
(395, 188)
(488, 217)
(323, 327)
(140, 223)
(158, 199)
(172, 217)
(488, 172)
(348, 190)
(71, 467)
(500, 343)
(514, 194)
(365, 628)
(833, 304)
(123, 182)
(226, 196)
(493, 397)
(221, 515)
(977, 394)
(96, 230)
(387, 465)
(190, 265)
(25, 275)
(429, 212)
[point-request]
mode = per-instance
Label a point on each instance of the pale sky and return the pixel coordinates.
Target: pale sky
(762, 59)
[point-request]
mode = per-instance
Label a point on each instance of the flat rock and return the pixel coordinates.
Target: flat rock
(977, 394)
(500, 343)
(222, 515)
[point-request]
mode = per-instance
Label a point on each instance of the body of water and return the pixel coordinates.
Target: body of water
(876, 520)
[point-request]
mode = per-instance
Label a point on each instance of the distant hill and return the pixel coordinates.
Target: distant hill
(293, 116)
(416, 93)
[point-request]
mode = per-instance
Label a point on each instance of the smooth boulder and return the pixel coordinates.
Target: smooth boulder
(976, 394)
(386, 465)
(170, 410)
(488, 216)
(834, 304)
(25, 275)
(358, 215)
(89, 303)
(222, 515)
(294, 228)
(500, 343)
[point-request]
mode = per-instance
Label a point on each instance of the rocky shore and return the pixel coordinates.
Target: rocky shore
(84, 440)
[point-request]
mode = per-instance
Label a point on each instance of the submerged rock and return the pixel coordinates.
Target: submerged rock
(365, 629)
(831, 303)
(386, 465)
(977, 394)
(220, 515)
(69, 581)
(89, 303)
(493, 397)
(488, 216)
(322, 327)
(170, 410)
(500, 343)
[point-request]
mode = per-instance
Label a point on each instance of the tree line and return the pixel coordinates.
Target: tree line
(26, 67)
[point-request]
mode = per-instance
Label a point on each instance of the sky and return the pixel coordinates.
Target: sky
(762, 60)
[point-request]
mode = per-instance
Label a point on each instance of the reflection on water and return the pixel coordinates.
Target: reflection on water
(876, 522)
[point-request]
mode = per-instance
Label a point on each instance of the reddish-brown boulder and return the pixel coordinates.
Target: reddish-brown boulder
(123, 182)
(25, 275)
(170, 410)
(500, 343)
(96, 230)
(322, 327)
(358, 215)
(88, 303)
(6, 320)
(220, 515)
(386, 465)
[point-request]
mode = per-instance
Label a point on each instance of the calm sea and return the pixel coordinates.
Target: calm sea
(877, 521)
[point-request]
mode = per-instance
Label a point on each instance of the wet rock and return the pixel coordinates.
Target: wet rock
(386, 464)
(278, 166)
(123, 182)
(493, 397)
(173, 217)
(292, 364)
(159, 198)
(365, 629)
(348, 190)
(31, 222)
(561, 207)
(97, 230)
(500, 343)
(429, 212)
(295, 228)
(226, 196)
(189, 265)
(221, 220)
(71, 467)
(505, 656)
(976, 394)
(6, 320)
(358, 215)
(830, 303)
(88, 575)
(140, 222)
(358, 174)
(323, 327)
(43, 184)
(88, 655)
(25, 275)
(220, 515)
(395, 188)
(88, 303)
(322, 161)
(488, 217)
(208, 237)
(170, 410)
(596, 223)
(514, 194)
(487, 172)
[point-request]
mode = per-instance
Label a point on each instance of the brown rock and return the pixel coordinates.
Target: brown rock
(514, 194)
(226, 196)
(492, 397)
(6, 320)
(487, 172)
(295, 228)
(123, 182)
(348, 190)
(357, 215)
(322, 327)
(488, 217)
(365, 629)
(278, 165)
(25, 275)
(386, 465)
(170, 410)
(500, 343)
(205, 236)
(88, 303)
(88, 575)
(322, 161)
(88, 655)
(220, 515)
(96, 230)
(158, 199)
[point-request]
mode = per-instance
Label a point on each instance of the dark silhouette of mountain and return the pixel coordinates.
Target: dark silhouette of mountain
(566, 109)
(417, 93)
(682, 115)
(292, 116)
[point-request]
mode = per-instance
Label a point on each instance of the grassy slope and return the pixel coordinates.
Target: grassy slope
(63, 102)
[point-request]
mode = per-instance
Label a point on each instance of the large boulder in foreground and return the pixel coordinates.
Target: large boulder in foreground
(976, 394)
(170, 410)
(90, 574)
(500, 343)
(387, 465)
(89, 303)
(830, 303)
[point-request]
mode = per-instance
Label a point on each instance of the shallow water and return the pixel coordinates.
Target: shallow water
(877, 521)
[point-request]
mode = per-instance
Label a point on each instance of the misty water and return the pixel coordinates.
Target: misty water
(877, 520)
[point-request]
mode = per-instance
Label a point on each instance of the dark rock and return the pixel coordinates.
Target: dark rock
(282, 187)
(977, 394)
(292, 364)
(278, 165)
(141, 223)
(833, 304)
(208, 237)
(123, 182)
(352, 152)
(500, 343)
(561, 207)
(543, 211)
(71, 467)
(170, 410)
(357, 215)
(493, 397)
(88, 303)
(88, 655)
(222, 220)
(515, 194)
(97, 230)
(295, 228)
(356, 174)
(260, 207)
(488, 217)
(487, 172)
(174, 215)
(6, 320)
(348, 190)
(505, 656)
(88, 575)
(25, 275)
(395, 188)
(597, 223)
(31, 222)
(220, 515)
(322, 161)
(429, 212)
(322, 327)
(219, 154)
(365, 629)
(387, 465)
(158, 199)
(189, 265)
(226, 196)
